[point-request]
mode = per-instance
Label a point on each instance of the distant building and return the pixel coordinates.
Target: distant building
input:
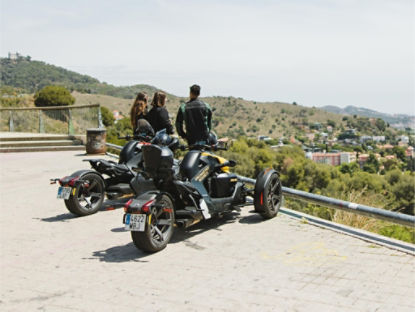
(386, 146)
(409, 152)
(347, 157)
(365, 138)
(362, 159)
(117, 115)
(378, 138)
(310, 136)
(327, 158)
(263, 138)
(13, 56)
(329, 129)
(403, 138)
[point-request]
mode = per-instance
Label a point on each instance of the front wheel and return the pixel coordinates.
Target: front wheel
(88, 196)
(268, 194)
(159, 227)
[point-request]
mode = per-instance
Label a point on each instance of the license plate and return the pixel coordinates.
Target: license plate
(135, 222)
(64, 192)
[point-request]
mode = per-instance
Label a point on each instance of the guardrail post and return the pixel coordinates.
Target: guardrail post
(41, 125)
(70, 125)
(11, 125)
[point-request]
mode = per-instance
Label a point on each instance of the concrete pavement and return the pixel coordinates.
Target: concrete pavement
(52, 261)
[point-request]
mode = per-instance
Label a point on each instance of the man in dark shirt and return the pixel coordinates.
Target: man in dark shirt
(197, 117)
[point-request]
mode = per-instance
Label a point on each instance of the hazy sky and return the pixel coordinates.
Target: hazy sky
(314, 52)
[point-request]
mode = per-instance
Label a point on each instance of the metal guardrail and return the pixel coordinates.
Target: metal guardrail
(382, 214)
(74, 119)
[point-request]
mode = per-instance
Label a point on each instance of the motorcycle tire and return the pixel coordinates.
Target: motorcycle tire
(159, 227)
(268, 194)
(87, 200)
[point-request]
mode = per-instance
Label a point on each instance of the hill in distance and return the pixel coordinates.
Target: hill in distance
(232, 116)
(398, 120)
(31, 76)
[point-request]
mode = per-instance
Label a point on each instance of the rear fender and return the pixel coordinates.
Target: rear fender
(77, 175)
(138, 202)
(261, 180)
(134, 205)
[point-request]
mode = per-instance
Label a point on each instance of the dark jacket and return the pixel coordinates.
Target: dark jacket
(158, 117)
(197, 117)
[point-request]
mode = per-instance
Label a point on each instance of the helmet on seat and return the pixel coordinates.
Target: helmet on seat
(212, 138)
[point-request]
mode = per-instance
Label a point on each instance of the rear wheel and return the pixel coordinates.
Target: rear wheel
(88, 196)
(159, 227)
(268, 195)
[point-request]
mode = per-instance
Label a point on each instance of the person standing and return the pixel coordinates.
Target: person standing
(158, 117)
(197, 117)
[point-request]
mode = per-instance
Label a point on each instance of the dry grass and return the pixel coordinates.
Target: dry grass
(358, 221)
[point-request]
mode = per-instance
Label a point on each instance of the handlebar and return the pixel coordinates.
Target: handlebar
(204, 147)
(128, 137)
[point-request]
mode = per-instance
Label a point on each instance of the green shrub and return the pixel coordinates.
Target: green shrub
(53, 96)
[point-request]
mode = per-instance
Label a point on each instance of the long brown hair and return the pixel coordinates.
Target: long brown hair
(138, 108)
(159, 99)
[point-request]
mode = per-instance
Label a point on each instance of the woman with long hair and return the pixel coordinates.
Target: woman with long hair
(158, 117)
(139, 109)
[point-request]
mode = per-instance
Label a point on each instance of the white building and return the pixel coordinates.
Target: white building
(347, 157)
(378, 138)
(404, 139)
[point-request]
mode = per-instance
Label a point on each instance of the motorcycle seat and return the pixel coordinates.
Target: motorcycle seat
(109, 167)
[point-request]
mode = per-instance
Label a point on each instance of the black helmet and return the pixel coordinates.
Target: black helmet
(162, 138)
(212, 138)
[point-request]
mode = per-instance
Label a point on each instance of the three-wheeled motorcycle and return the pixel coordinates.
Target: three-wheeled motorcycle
(200, 187)
(84, 190)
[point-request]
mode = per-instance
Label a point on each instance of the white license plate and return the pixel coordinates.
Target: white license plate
(64, 192)
(135, 222)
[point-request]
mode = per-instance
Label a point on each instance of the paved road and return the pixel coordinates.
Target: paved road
(51, 261)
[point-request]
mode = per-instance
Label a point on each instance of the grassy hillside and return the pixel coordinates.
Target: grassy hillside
(33, 75)
(236, 116)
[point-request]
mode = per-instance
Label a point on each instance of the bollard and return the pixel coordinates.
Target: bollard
(95, 140)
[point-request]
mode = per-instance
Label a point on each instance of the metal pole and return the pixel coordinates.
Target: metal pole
(41, 125)
(70, 125)
(368, 211)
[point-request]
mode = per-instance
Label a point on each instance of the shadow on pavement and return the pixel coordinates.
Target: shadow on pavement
(59, 218)
(215, 223)
(252, 219)
(129, 252)
(120, 254)
(118, 230)
(107, 206)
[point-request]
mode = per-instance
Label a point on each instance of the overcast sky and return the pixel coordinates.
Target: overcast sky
(314, 52)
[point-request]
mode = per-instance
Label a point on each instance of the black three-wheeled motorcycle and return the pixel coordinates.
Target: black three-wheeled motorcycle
(200, 187)
(84, 190)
